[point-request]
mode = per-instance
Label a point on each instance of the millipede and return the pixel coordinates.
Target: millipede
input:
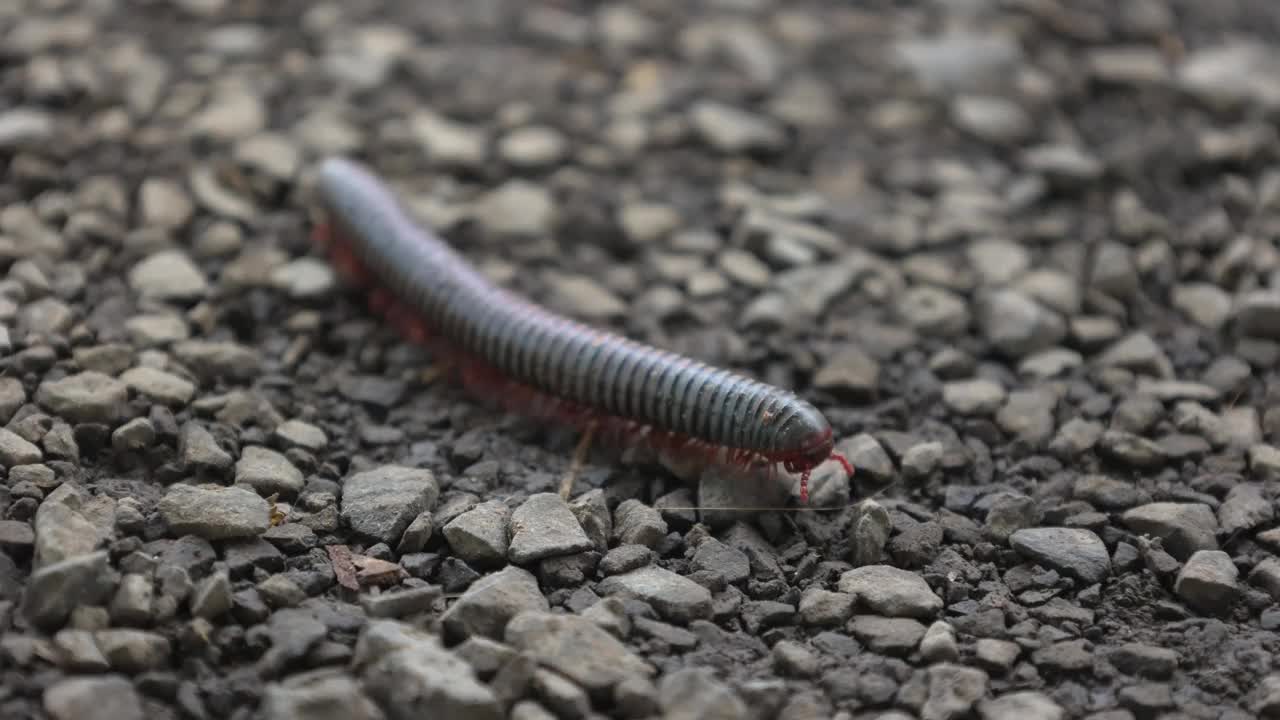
(543, 364)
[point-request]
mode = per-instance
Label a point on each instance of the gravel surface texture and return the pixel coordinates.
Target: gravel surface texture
(1022, 253)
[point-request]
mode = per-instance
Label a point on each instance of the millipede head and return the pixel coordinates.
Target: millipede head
(812, 454)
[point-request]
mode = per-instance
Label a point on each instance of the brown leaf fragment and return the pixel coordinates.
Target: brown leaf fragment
(372, 571)
(344, 568)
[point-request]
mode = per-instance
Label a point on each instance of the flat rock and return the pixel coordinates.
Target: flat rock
(25, 127)
(962, 59)
(636, 523)
(481, 535)
(1147, 661)
(107, 696)
(268, 472)
(1019, 705)
(694, 693)
(1208, 581)
(1207, 305)
(16, 450)
(1138, 352)
(892, 636)
(1232, 74)
(852, 373)
(544, 526)
(868, 457)
(1028, 416)
(1245, 507)
(517, 208)
(1076, 552)
(168, 275)
(306, 278)
(1063, 162)
(973, 397)
(577, 648)
(934, 311)
(200, 451)
(953, 690)
(1184, 527)
(730, 129)
(992, 119)
(1257, 314)
(159, 386)
(87, 397)
(380, 503)
(329, 695)
(133, 651)
(491, 601)
(728, 563)
(297, 433)
(448, 143)
(675, 597)
(584, 297)
(1264, 462)
(12, 397)
(1017, 325)
(411, 672)
(213, 359)
(165, 204)
(214, 512)
(62, 532)
(532, 147)
(55, 590)
(889, 591)
(151, 331)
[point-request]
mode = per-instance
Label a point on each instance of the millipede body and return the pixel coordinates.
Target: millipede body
(546, 361)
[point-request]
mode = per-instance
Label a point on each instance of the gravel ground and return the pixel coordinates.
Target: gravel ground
(1022, 253)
